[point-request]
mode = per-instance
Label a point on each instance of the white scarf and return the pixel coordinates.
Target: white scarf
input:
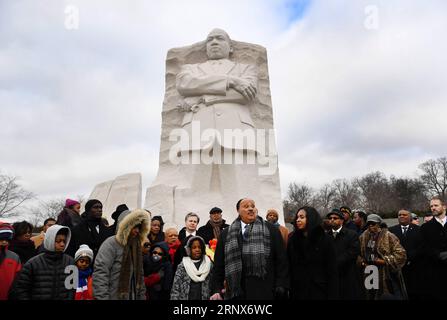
(197, 275)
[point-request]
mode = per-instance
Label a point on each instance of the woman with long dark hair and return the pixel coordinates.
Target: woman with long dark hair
(312, 260)
(22, 244)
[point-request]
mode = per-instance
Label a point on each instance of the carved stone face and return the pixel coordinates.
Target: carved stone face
(218, 45)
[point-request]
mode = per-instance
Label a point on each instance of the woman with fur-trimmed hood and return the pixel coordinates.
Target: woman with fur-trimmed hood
(118, 266)
(382, 249)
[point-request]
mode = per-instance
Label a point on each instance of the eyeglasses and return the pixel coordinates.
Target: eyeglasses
(147, 245)
(157, 253)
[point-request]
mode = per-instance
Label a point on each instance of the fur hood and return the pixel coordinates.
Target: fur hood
(128, 221)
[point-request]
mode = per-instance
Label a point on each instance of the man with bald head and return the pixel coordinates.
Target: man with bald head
(250, 259)
(410, 238)
(273, 217)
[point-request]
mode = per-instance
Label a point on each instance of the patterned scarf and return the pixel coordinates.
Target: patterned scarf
(216, 228)
(253, 254)
(130, 280)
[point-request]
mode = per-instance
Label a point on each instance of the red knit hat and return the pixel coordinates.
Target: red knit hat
(6, 231)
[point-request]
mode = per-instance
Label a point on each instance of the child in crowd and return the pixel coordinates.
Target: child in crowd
(10, 264)
(43, 277)
(83, 260)
(192, 278)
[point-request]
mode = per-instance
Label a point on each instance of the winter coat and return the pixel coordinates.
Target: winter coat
(84, 233)
(25, 249)
(347, 248)
(207, 233)
(182, 284)
(68, 218)
(413, 268)
(391, 283)
(10, 267)
(158, 288)
(43, 277)
(107, 266)
(434, 240)
(313, 266)
(255, 288)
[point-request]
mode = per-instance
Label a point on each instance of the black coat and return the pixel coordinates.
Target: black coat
(312, 266)
(255, 288)
(434, 241)
(25, 249)
(206, 231)
(43, 278)
(413, 269)
(347, 248)
(85, 233)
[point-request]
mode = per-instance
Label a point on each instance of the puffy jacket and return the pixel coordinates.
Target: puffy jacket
(43, 277)
(9, 268)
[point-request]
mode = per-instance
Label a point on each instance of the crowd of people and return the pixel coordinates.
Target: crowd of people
(343, 255)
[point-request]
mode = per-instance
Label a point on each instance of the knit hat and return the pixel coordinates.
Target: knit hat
(90, 204)
(120, 209)
(6, 231)
(69, 203)
(373, 218)
(347, 210)
(84, 251)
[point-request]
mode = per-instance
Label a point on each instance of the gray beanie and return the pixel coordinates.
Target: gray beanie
(84, 251)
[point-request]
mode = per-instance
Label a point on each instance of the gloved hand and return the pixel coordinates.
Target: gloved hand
(443, 256)
(281, 293)
(161, 273)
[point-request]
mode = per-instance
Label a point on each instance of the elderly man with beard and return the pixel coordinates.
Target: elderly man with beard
(250, 259)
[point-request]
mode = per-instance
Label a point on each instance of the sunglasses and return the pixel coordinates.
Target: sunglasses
(157, 253)
(147, 245)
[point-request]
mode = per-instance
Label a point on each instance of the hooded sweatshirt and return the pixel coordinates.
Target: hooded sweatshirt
(43, 277)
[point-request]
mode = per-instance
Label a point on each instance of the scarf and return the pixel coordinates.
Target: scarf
(131, 275)
(83, 277)
(253, 254)
(197, 275)
(217, 227)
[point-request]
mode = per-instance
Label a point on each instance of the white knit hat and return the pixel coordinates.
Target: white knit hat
(84, 251)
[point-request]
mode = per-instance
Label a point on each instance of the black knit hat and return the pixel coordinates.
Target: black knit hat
(90, 204)
(120, 209)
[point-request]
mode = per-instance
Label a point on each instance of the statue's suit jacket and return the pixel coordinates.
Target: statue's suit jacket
(204, 87)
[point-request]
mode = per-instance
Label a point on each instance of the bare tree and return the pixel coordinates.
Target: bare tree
(324, 199)
(346, 193)
(45, 210)
(434, 176)
(376, 193)
(298, 195)
(409, 193)
(12, 195)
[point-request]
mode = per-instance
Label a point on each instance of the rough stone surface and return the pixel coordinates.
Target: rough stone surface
(124, 189)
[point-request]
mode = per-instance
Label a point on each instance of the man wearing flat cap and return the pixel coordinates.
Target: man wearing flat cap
(213, 227)
(347, 248)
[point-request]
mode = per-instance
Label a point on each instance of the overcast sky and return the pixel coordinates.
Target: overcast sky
(357, 86)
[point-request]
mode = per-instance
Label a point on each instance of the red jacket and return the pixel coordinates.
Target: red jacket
(9, 269)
